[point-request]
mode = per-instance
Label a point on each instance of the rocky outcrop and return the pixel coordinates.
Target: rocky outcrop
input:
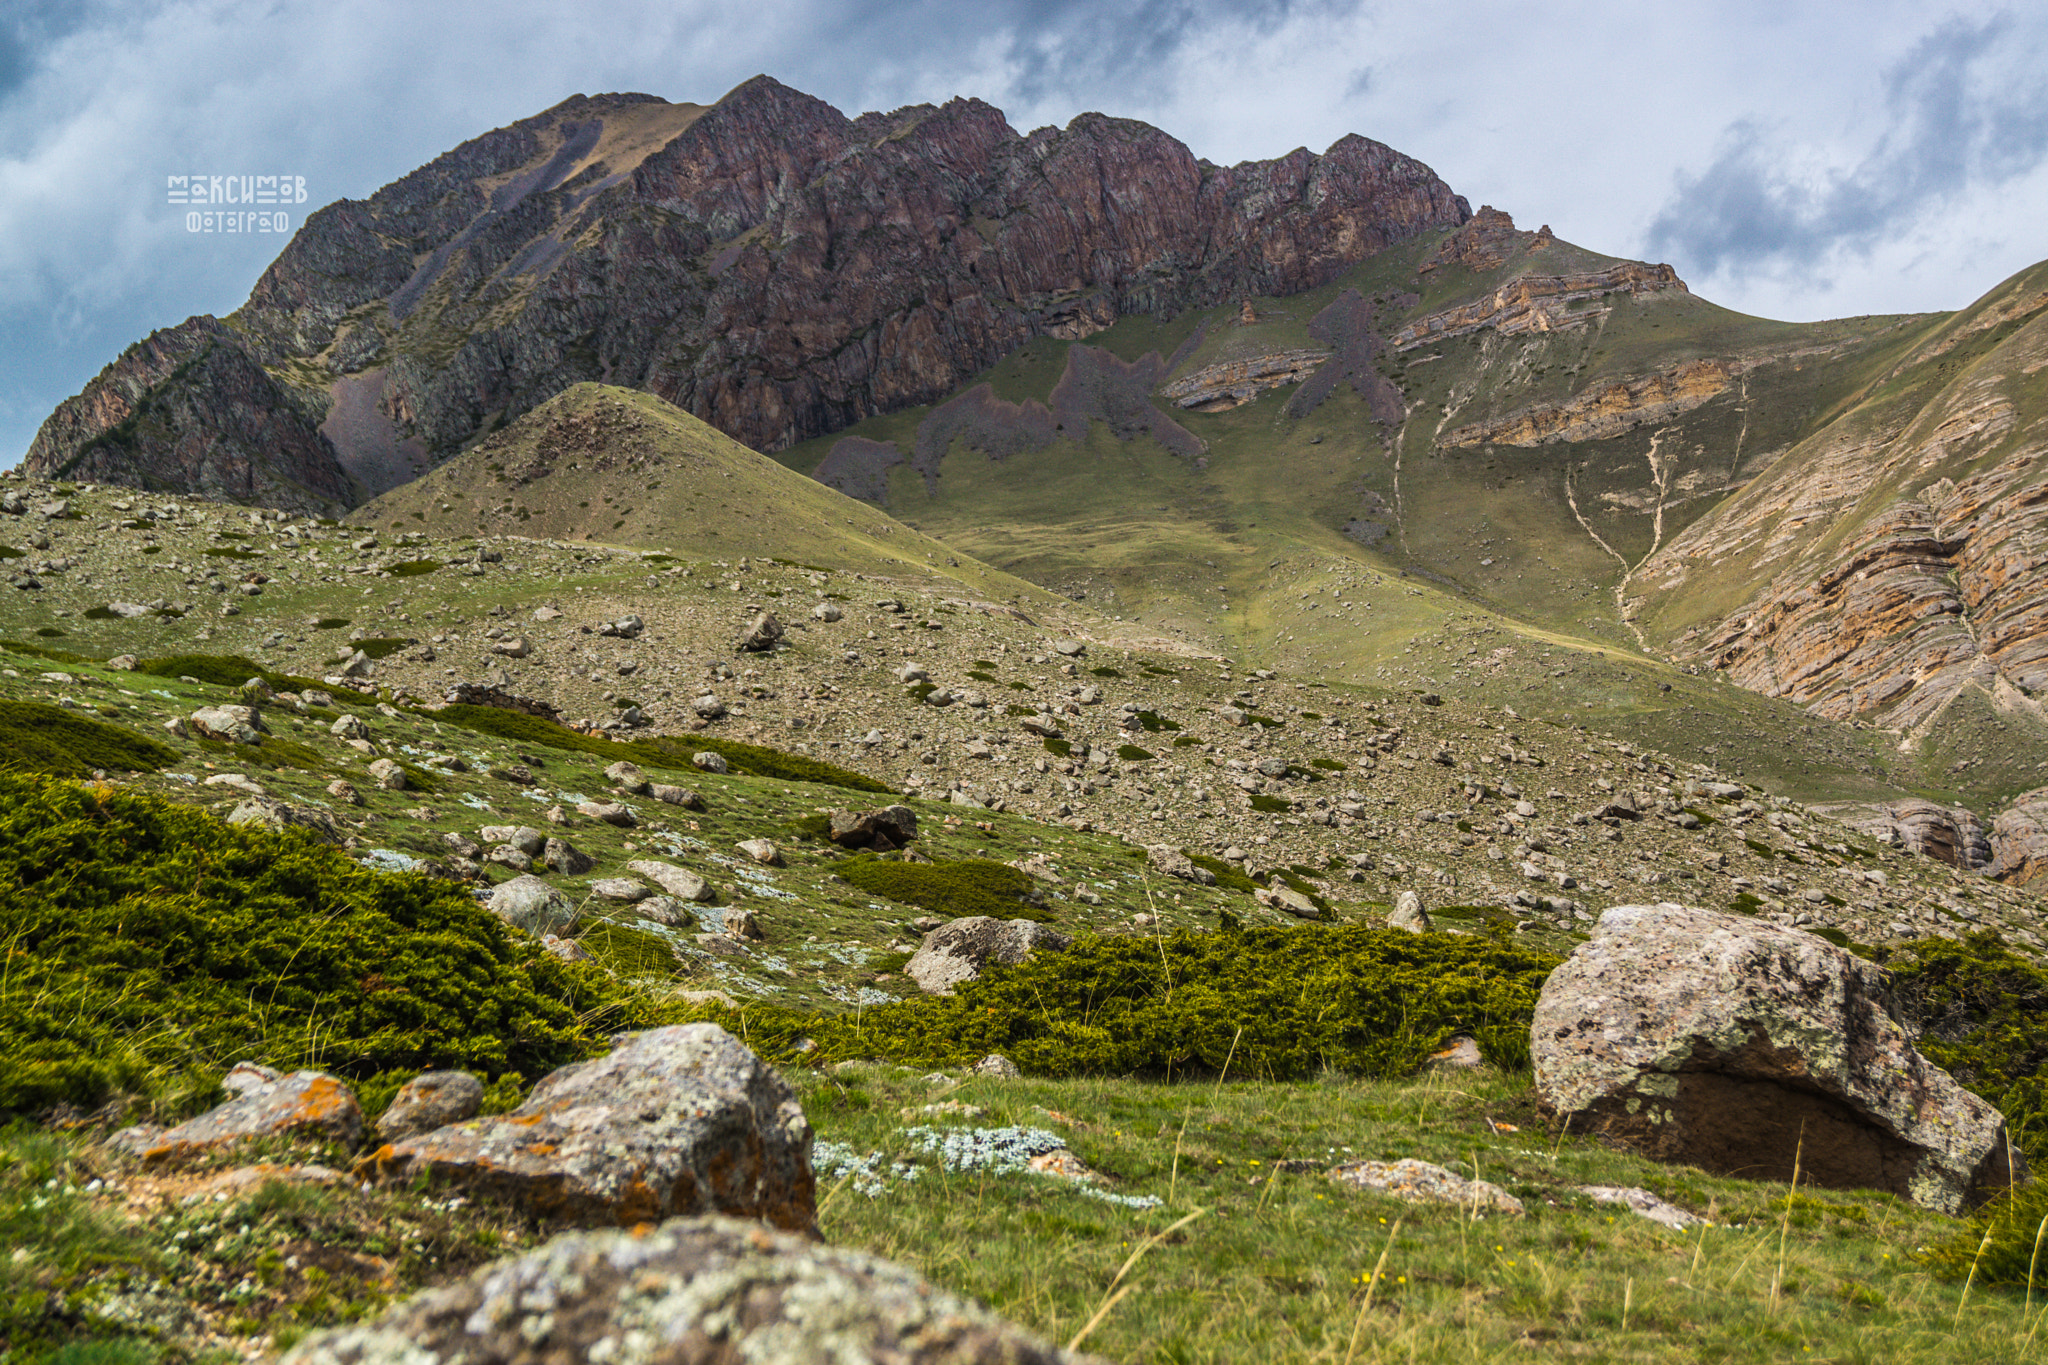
(2019, 839)
(1896, 557)
(676, 1120)
(1949, 834)
(1540, 303)
(189, 410)
(1488, 242)
(767, 264)
(694, 1289)
(1233, 383)
(1605, 410)
(1746, 1047)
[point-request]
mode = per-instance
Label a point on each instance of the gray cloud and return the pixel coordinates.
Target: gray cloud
(1957, 120)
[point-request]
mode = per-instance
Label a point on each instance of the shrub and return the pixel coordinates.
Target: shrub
(2013, 1220)
(966, 886)
(331, 623)
(1131, 753)
(1276, 1003)
(1983, 1016)
(1271, 805)
(151, 943)
(1154, 722)
(378, 647)
(1228, 875)
(35, 738)
(659, 752)
(223, 670)
(413, 568)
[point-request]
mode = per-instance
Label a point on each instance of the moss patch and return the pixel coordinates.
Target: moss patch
(967, 886)
(35, 738)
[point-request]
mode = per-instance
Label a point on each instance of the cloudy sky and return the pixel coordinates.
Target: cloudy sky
(1796, 161)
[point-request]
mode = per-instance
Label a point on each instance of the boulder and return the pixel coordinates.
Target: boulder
(679, 882)
(390, 775)
(761, 635)
(429, 1101)
(349, 727)
(957, 951)
(623, 889)
(694, 1289)
(269, 813)
(827, 612)
(1174, 863)
(761, 851)
(610, 812)
(559, 855)
(1740, 1046)
(2019, 839)
(710, 762)
(234, 724)
(1409, 914)
(525, 838)
(675, 1120)
(675, 796)
(533, 905)
(1279, 897)
(628, 777)
(890, 827)
(308, 1104)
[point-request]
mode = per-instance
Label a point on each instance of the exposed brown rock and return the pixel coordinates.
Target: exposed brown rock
(766, 264)
(1605, 410)
(1539, 303)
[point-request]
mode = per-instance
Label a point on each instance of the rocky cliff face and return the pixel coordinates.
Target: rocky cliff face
(765, 263)
(1894, 560)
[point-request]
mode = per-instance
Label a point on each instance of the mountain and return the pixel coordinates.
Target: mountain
(1310, 411)
(764, 263)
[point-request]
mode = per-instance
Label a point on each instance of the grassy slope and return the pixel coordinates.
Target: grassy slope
(672, 484)
(1226, 552)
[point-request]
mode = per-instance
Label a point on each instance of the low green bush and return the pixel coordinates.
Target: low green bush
(377, 647)
(1279, 1004)
(413, 568)
(35, 738)
(1131, 753)
(959, 887)
(151, 946)
(1982, 1011)
(223, 670)
(1271, 805)
(660, 752)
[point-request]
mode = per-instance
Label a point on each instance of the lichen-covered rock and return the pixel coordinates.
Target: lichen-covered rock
(1174, 863)
(694, 1290)
(1419, 1182)
(679, 882)
(1408, 914)
(269, 813)
(532, 904)
(676, 1120)
(1739, 1045)
(431, 1100)
(233, 724)
(957, 951)
(303, 1104)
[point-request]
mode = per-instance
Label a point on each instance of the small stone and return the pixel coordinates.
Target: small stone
(389, 774)
(677, 881)
(709, 762)
(233, 724)
(1419, 1182)
(675, 796)
(627, 776)
(623, 889)
(761, 851)
(995, 1066)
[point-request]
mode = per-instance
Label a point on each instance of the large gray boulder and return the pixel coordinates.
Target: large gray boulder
(957, 951)
(884, 829)
(693, 1290)
(676, 1120)
(1737, 1045)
